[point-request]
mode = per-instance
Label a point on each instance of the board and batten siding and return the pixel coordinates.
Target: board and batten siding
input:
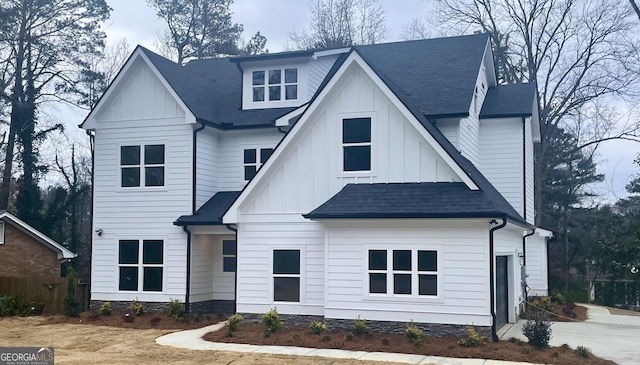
(309, 170)
(140, 112)
(462, 244)
(501, 158)
(317, 72)
(207, 160)
(257, 240)
(529, 172)
(449, 128)
(537, 266)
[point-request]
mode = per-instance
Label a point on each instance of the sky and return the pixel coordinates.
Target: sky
(276, 19)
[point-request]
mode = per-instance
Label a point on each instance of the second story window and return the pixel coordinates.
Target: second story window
(356, 144)
(253, 159)
(142, 165)
(275, 84)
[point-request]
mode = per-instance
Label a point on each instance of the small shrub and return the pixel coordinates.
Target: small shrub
(317, 327)
(15, 305)
(234, 322)
(543, 303)
(558, 298)
(71, 305)
(414, 334)
(583, 351)
(272, 323)
(349, 337)
(105, 309)
(538, 331)
(473, 339)
(136, 307)
(360, 327)
(176, 308)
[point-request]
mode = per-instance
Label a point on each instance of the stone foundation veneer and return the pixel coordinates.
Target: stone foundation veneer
(390, 327)
(223, 307)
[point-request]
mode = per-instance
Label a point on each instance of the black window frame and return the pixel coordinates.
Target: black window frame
(403, 272)
(229, 259)
(144, 171)
(287, 276)
(252, 160)
(357, 145)
(144, 271)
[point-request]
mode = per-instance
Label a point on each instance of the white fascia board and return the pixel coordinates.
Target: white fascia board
(231, 216)
(283, 121)
(330, 52)
(535, 120)
(63, 253)
(90, 123)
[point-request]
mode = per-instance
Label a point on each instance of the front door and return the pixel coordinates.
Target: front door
(502, 292)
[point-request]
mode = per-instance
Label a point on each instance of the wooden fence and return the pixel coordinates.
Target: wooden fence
(50, 292)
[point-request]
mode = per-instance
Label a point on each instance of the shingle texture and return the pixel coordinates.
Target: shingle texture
(413, 200)
(211, 212)
(516, 100)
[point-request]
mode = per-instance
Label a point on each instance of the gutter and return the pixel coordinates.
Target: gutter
(492, 284)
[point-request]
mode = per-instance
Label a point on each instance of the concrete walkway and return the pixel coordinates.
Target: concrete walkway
(192, 339)
(613, 337)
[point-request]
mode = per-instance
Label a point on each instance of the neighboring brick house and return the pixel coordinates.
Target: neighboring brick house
(26, 252)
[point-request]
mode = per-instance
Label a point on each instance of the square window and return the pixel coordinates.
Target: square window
(402, 260)
(128, 278)
(152, 279)
(427, 261)
(265, 153)
(274, 92)
(356, 130)
(130, 177)
(128, 252)
(291, 92)
(250, 172)
(357, 158)
(291, 75)
(258, 94)
(428, 284)
(258, 78)
(402, 283)
(154, 154)
(275, 77)
(286, 289)
(154, 176)
(130, 155)
(229, 247)
(286, 261)
(152, 252)
(378, 283)
(250, 156)
(377, 259)
(229, 264)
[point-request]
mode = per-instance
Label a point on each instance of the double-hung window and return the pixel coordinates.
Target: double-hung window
(356, 144)
(140, 266)
(253, 159)
(142, 165)
(228, 256)
(403, 272)
(286, 275)
(275, 84)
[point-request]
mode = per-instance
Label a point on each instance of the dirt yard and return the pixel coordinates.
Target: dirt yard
(81, 344)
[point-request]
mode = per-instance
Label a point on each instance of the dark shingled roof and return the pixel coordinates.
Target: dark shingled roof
(414, 200)
(516, 100)
(211, 212)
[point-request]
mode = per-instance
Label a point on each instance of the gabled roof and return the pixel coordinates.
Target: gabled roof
(63, 253)
(515, 100)
(211, 212)
(414, 200)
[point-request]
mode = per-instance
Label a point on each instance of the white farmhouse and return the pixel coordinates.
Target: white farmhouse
(391, 182)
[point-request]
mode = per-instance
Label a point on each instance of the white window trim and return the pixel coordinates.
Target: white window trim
(302, 274)
(142, 166)
(247, 86)
(258, 164)
(340, 164)
(140, 265)
(414, 296)
(2, 232)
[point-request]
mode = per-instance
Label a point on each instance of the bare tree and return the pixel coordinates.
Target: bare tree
(581, 53)
(415, 29)
(342, 23)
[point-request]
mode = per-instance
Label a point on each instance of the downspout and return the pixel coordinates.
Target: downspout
(92, 145)
(187, 302)
(524, 169)
(524, 262)
(235, 274)
(492, 284)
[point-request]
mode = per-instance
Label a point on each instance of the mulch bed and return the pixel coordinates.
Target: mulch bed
(148, 320)
(563, 313)
(506, 350)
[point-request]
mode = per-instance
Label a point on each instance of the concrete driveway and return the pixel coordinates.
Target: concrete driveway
(613, 337)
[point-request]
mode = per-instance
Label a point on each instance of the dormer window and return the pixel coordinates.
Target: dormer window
(275, 84)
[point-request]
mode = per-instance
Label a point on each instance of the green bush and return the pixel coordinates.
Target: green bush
(360, 327)
(15, 305)
(583, 351)
(234, 322)
(558, 298)
(538, 331)
(272, 323)
(473, 339)
(543, 303)
(136, 307)
(105, 309)
(414, 334)
(176, 308)
(317, 327)
(71, 305)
